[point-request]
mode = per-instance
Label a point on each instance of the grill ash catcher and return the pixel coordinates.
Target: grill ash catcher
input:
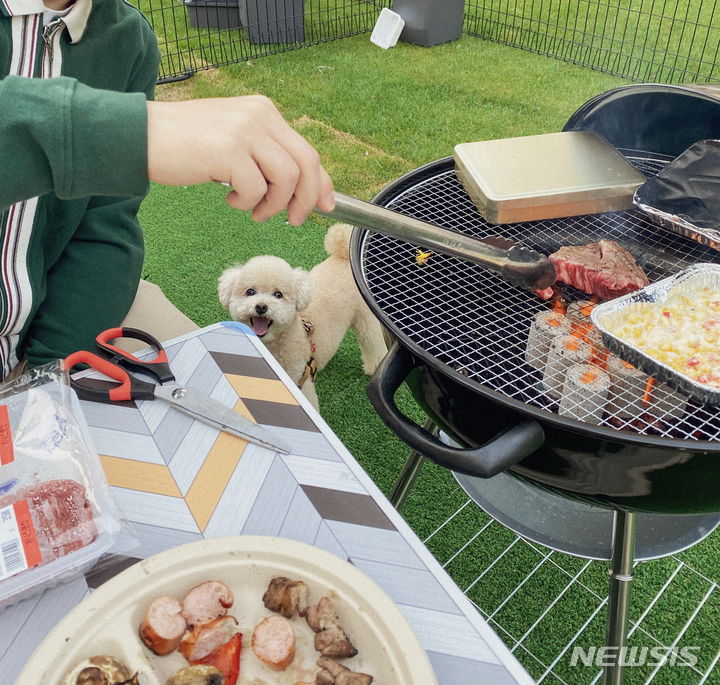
(460, 334)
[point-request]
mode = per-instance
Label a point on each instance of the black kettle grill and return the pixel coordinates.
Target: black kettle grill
(460, 333)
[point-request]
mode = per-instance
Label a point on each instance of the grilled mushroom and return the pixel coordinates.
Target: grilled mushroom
(197, 675)
(101, 670)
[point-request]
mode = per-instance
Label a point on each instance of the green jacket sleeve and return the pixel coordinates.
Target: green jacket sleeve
(60, 135)
(93, 283)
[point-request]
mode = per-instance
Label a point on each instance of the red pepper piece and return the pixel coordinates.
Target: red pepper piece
(226, 658)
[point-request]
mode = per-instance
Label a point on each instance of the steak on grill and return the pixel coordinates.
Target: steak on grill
(604, 268)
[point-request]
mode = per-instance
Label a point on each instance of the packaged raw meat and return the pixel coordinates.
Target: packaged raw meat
(57, 515)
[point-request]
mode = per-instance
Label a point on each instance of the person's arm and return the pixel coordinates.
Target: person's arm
(244, 142)
(93, 283)
(78, 141)
(60, 135)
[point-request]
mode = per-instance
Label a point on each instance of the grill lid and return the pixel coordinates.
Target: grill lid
(474, 324)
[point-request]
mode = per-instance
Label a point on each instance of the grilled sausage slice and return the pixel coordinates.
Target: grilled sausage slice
(163, 626)
(206, 602)
(273, 642)
(205, 638)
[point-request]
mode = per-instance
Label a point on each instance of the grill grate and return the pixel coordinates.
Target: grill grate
(475, 323)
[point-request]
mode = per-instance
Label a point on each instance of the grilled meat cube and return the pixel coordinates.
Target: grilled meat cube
(331, 666)
(333, 673)
(330, 639)
(353, 678)
(324, 677)
(286, 597)
(334, 643)
(321, 615)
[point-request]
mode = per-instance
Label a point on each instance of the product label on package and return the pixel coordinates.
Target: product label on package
(19, 547)
(7, 454)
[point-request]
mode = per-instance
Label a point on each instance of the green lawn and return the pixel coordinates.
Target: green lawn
(375, 115)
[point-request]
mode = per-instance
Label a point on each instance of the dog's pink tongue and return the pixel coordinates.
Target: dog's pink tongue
(260, 325)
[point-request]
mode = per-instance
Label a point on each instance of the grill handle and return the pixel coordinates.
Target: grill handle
(508, 447)
(517, 264)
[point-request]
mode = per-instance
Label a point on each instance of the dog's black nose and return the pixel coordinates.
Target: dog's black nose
(261, 309)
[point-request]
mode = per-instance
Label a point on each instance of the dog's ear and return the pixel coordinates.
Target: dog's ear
(226, 281)
(303, 286)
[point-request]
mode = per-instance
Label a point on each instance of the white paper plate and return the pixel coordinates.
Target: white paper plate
(107, 621)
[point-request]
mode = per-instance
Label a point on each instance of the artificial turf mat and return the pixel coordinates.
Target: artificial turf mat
(375, 115)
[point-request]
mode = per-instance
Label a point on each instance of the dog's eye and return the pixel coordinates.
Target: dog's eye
(249, 292)
(278, 294)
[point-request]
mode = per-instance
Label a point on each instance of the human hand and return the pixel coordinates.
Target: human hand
(244, 142)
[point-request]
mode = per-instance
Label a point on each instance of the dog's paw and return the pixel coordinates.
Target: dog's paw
(371, 363)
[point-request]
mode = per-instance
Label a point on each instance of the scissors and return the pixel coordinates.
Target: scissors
(114, 363)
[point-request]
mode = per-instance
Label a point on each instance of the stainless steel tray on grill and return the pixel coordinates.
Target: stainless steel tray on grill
(546, 176)
(607, 316)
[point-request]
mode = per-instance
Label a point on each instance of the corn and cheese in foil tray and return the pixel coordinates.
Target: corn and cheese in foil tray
(671, 330)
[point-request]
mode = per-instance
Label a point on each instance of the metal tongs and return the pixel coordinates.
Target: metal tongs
(519, 265)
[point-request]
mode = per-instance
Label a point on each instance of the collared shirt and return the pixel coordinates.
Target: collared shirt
(75, 20)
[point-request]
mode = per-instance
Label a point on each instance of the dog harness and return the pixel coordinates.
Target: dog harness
(310, 370)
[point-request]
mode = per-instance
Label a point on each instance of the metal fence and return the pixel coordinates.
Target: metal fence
(663, 41)
(199, 34)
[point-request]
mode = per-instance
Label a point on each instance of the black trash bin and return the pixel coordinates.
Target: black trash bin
(429, 22)
(215, 14)
(274, 21)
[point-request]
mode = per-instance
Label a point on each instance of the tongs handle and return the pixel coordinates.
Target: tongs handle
(519, 265)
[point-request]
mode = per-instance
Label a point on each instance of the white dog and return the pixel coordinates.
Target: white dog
(303, 316)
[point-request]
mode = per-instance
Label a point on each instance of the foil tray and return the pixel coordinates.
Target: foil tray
(696, 276)
(683, 196)
(680, 225)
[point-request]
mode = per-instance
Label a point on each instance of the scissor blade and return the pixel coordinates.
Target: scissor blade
(214, 413)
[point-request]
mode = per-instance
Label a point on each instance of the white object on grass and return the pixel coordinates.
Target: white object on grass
(387, 29)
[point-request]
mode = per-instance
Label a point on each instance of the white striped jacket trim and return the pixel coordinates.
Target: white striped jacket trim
(21, 216)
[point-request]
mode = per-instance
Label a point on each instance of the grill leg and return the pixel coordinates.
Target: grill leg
(409, 472)
(621, 575)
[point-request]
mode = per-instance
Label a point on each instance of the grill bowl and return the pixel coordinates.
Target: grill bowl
(461, 335)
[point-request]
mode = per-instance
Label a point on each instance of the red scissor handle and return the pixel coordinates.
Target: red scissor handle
(130, 388)
(157, 367)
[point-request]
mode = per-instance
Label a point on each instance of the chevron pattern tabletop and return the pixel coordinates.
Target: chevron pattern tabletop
(178, 480)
